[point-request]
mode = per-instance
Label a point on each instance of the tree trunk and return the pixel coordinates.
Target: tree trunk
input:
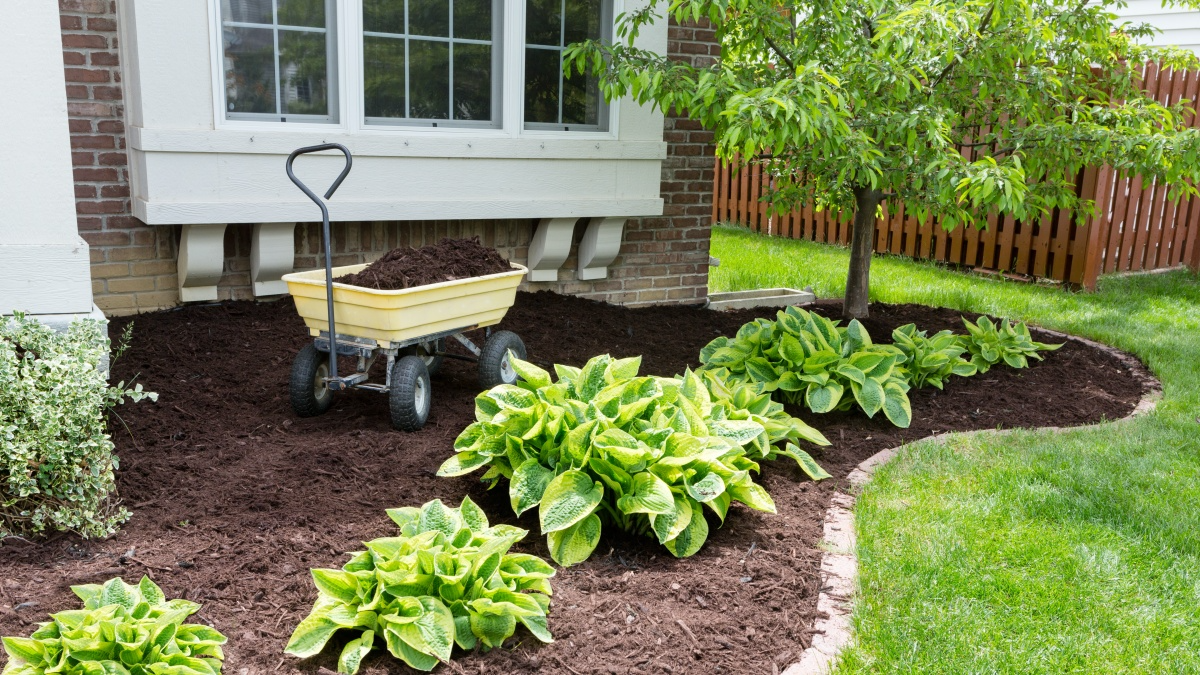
(862, 245)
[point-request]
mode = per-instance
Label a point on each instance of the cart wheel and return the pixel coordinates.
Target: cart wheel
(428, 351)
(410, 394)
(307, 389)
(494, 367)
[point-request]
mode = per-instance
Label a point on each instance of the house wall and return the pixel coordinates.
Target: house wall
(1180, 26)
(662, 259)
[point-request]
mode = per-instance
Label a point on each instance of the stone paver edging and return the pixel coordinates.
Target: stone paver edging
(839, 562)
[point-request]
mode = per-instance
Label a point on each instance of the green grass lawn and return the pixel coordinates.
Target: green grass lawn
(1031, 552)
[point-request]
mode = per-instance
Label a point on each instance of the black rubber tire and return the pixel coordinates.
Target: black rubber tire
(493, 358)
(433, 363)
(309, 397)
(411, 394)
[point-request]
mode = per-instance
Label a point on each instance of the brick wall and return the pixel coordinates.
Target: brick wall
(663, 259)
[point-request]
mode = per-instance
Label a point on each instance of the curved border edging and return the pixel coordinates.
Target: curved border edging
(839, 562)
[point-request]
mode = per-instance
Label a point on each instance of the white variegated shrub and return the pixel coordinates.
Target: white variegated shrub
(56, 459)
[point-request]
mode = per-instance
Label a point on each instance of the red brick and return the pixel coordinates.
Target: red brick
(105, 59)
(106, 238)
(106, 93)
(112, 159)
(74, 59)
(96, 174)
(79, 126)
(70, 22)
(105, 206)
(111, 127)
(81, 141)
(85, 191)
(83, 41)
(101, 24)
(83, 158)
(114, 191)
(85, 6)
(87, 75)
(77, 92)
(90, 109)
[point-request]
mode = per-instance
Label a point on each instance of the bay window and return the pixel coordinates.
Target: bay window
(413, 63)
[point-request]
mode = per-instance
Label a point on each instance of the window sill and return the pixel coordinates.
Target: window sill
(460, 143)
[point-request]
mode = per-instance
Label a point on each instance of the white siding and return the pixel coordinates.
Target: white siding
(1179, 26)
(44, 267)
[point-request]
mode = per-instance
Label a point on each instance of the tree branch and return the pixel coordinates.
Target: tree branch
(780, 54)
(983, 22)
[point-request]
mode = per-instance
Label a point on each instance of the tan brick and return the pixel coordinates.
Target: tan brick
(166, 282)
(130, 284)
(157, 300)
(152, 268)
(132, 253)
(109, 270)
(97, 287)
(111, 302)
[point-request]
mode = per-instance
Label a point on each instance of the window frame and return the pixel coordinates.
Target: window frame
(498, 43)
(606, 110)
(332, 59)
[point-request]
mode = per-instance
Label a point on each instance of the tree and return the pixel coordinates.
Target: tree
(855, 102)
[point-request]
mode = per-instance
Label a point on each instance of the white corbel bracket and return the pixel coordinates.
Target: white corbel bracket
(600, 246)
(201, 262)
(550, 247)
(272, 255)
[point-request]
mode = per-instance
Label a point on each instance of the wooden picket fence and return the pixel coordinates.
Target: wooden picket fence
(1136, 228)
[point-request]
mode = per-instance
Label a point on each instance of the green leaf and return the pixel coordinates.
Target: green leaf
(896, 406)
(739, 432)
(823, 399)
(472, 516)
(528, 372)
(340, 585)
(575, 543)
(528, 485)
(568, 499)
(25, 649)
(870, 396)
(689, 541)
(649, 495)
(354, 652)
(753, 495)
(706, 489)
(463, 463)
(806, 462)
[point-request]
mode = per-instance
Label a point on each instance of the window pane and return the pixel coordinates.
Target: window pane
(304, 70)
(383, 16)
(248, 11)
(302, 13)
(473, 19)
(583, 21)
(581, 99)
(429, 17)
(383, 86)
(250, 70)
(542, 22)
(429, 68)
(472, 82)
(541, 85)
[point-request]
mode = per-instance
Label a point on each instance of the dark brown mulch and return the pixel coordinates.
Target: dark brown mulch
(447, 260)
(235, 498)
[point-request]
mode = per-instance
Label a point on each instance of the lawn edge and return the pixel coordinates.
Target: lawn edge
(839, 561)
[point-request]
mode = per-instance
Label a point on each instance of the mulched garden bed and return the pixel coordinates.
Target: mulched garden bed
(234, 498)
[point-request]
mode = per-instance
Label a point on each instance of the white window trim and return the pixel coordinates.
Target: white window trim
(348, 22)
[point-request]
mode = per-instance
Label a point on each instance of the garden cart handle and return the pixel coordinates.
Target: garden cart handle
(333, 381)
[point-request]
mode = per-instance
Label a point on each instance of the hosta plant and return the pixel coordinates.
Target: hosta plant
(803, 357)
(122, 630)
(447, 579)
(930, 361)
(989, 344)
(603, 446)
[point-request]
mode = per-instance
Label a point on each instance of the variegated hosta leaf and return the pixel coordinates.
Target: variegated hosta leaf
(428, 589)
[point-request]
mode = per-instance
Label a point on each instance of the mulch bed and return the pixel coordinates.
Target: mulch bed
(447, 260)
(235, 498)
